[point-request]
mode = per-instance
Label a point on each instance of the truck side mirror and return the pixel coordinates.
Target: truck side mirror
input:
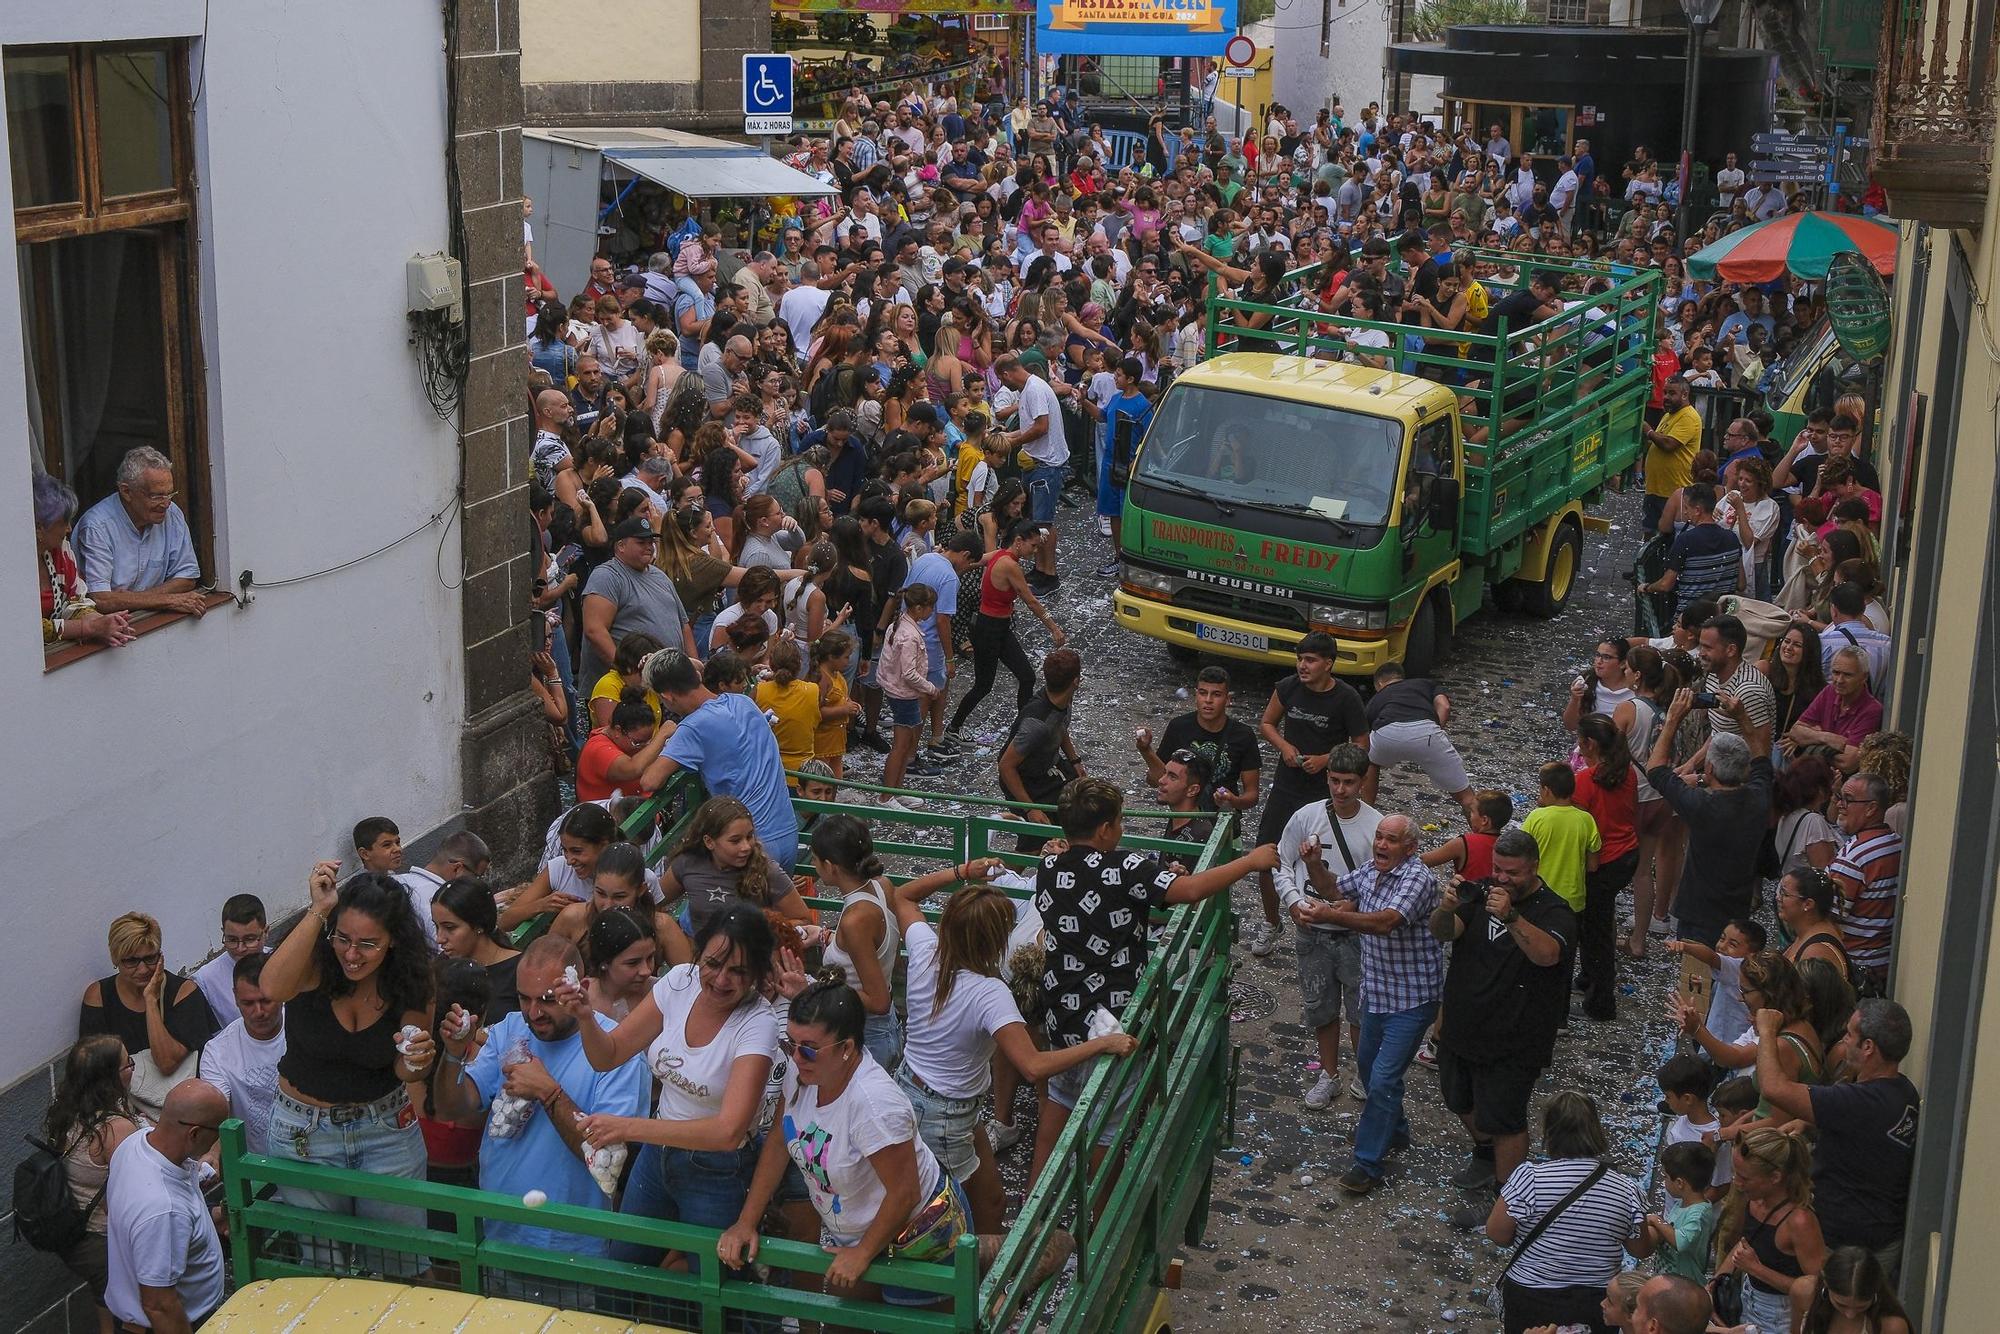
(1444, 504)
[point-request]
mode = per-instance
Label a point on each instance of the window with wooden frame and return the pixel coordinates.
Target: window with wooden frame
(104, 245)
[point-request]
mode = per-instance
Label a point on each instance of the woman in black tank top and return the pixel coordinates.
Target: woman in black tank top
(1769, 1233)
(354, 976)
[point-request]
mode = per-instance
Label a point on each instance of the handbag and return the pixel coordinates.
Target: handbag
(934, 1229)
(1725, 1296)
(1496, 1297)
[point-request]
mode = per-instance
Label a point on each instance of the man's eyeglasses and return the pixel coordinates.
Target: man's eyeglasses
(242, 942)
(342, 941)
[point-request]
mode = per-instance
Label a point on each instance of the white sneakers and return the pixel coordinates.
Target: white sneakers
(1321, 1095)
(1260, 937)
(1103, 525)
(1002, 1135)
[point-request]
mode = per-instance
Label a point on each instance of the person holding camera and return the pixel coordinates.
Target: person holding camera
(1506, 992)
(1727, 808)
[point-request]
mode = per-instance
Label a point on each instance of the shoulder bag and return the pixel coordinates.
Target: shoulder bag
(1496, 1297)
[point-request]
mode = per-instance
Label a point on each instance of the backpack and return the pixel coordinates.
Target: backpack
(46, 1214)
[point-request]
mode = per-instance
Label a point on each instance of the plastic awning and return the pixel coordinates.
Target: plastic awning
(746, 175)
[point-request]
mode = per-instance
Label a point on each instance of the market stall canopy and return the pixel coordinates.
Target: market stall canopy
(1803, 243)
(747, 175)
(694, 165)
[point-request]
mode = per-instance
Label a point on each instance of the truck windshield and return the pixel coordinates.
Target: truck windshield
(1237, 448)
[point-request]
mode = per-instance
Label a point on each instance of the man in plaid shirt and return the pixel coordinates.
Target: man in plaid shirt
(1388, 904)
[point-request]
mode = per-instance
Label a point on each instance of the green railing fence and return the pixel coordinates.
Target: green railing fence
(1161, 1115)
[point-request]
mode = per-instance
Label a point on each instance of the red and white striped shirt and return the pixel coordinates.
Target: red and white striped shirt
(1867, 872)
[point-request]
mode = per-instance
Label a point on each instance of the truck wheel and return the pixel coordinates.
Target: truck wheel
(1550, 594)
(1425, 645)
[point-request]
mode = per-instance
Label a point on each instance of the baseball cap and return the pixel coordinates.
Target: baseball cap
(637, 526)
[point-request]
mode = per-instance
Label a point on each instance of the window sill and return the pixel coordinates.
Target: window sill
(65, 654)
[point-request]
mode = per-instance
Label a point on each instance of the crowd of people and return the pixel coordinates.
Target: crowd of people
(765, 505)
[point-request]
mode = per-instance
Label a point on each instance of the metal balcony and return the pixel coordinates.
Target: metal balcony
(1934, 110)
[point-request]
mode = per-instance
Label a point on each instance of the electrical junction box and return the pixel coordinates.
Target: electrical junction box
(434, 282)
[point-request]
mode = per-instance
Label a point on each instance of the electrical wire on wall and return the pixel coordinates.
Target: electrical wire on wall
(444, 349)
(247, 581)
(443, 357)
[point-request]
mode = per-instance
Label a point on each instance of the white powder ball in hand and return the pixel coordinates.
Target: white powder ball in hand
(569, 976)
(535, 1199)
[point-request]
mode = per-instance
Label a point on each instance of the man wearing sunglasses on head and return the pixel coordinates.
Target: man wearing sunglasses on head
(165, 1259)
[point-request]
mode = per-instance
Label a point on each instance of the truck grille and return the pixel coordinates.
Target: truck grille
(1222, 602)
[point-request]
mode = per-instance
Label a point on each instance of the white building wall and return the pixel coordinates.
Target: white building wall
(224, 756)
(1358, 40)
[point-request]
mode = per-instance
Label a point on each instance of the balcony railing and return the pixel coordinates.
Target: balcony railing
(1934, 109)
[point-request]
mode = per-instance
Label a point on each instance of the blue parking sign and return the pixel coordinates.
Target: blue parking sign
(767, 85)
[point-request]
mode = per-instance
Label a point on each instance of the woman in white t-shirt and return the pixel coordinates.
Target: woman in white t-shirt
(853, 1135)
(709, 1037)
(961, 1010)
(1749, 510)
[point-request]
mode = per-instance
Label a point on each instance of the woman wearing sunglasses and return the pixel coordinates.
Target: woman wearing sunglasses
(354, 977)
(875, 1184)
(708, 1036)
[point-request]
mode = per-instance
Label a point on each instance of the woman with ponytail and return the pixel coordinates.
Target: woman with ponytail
(866, 937)
(961, 1012)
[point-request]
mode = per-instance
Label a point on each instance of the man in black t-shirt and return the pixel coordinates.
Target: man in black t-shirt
(1505, 994)
(1406, 722)
(1227, 746)
(1867, 1127)
(1094, 898)
(1309, 714)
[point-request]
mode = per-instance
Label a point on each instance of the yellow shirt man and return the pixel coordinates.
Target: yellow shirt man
(1668, 470)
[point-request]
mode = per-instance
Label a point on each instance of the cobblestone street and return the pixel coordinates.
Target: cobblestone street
(1286, 1249)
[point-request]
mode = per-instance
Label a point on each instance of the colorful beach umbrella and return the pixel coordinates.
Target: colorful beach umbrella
(1803, 243)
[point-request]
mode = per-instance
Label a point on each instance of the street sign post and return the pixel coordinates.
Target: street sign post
(767, 93)
(1239, 57)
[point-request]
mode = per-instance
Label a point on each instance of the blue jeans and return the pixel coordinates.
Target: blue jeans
(702, 1187)
(380, 1138)
(559, 649)
(1045, 483)
(1389, 1043)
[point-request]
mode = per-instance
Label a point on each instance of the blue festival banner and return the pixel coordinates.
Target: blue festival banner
(1134, 27)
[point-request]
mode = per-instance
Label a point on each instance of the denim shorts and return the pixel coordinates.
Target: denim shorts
(905, 712)
(882, 1037)
(381, 1138)
(946, 1125)
(1045, 484)
(1067, 1087)
(1329, 975)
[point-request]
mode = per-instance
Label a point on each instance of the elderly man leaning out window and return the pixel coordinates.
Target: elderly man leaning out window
(137, 552)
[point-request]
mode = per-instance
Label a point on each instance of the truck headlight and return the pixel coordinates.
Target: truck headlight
(1148, 581)
(1348, 618)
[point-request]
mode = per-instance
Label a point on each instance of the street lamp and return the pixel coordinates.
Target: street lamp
(1701, 14)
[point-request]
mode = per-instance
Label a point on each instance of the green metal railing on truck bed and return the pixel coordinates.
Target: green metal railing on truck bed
(1558, 401)
(1163, 1114)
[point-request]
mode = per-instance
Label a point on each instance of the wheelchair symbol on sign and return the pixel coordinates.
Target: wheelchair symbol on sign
(765, 93)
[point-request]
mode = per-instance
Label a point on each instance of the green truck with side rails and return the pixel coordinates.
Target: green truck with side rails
(1283, 488)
